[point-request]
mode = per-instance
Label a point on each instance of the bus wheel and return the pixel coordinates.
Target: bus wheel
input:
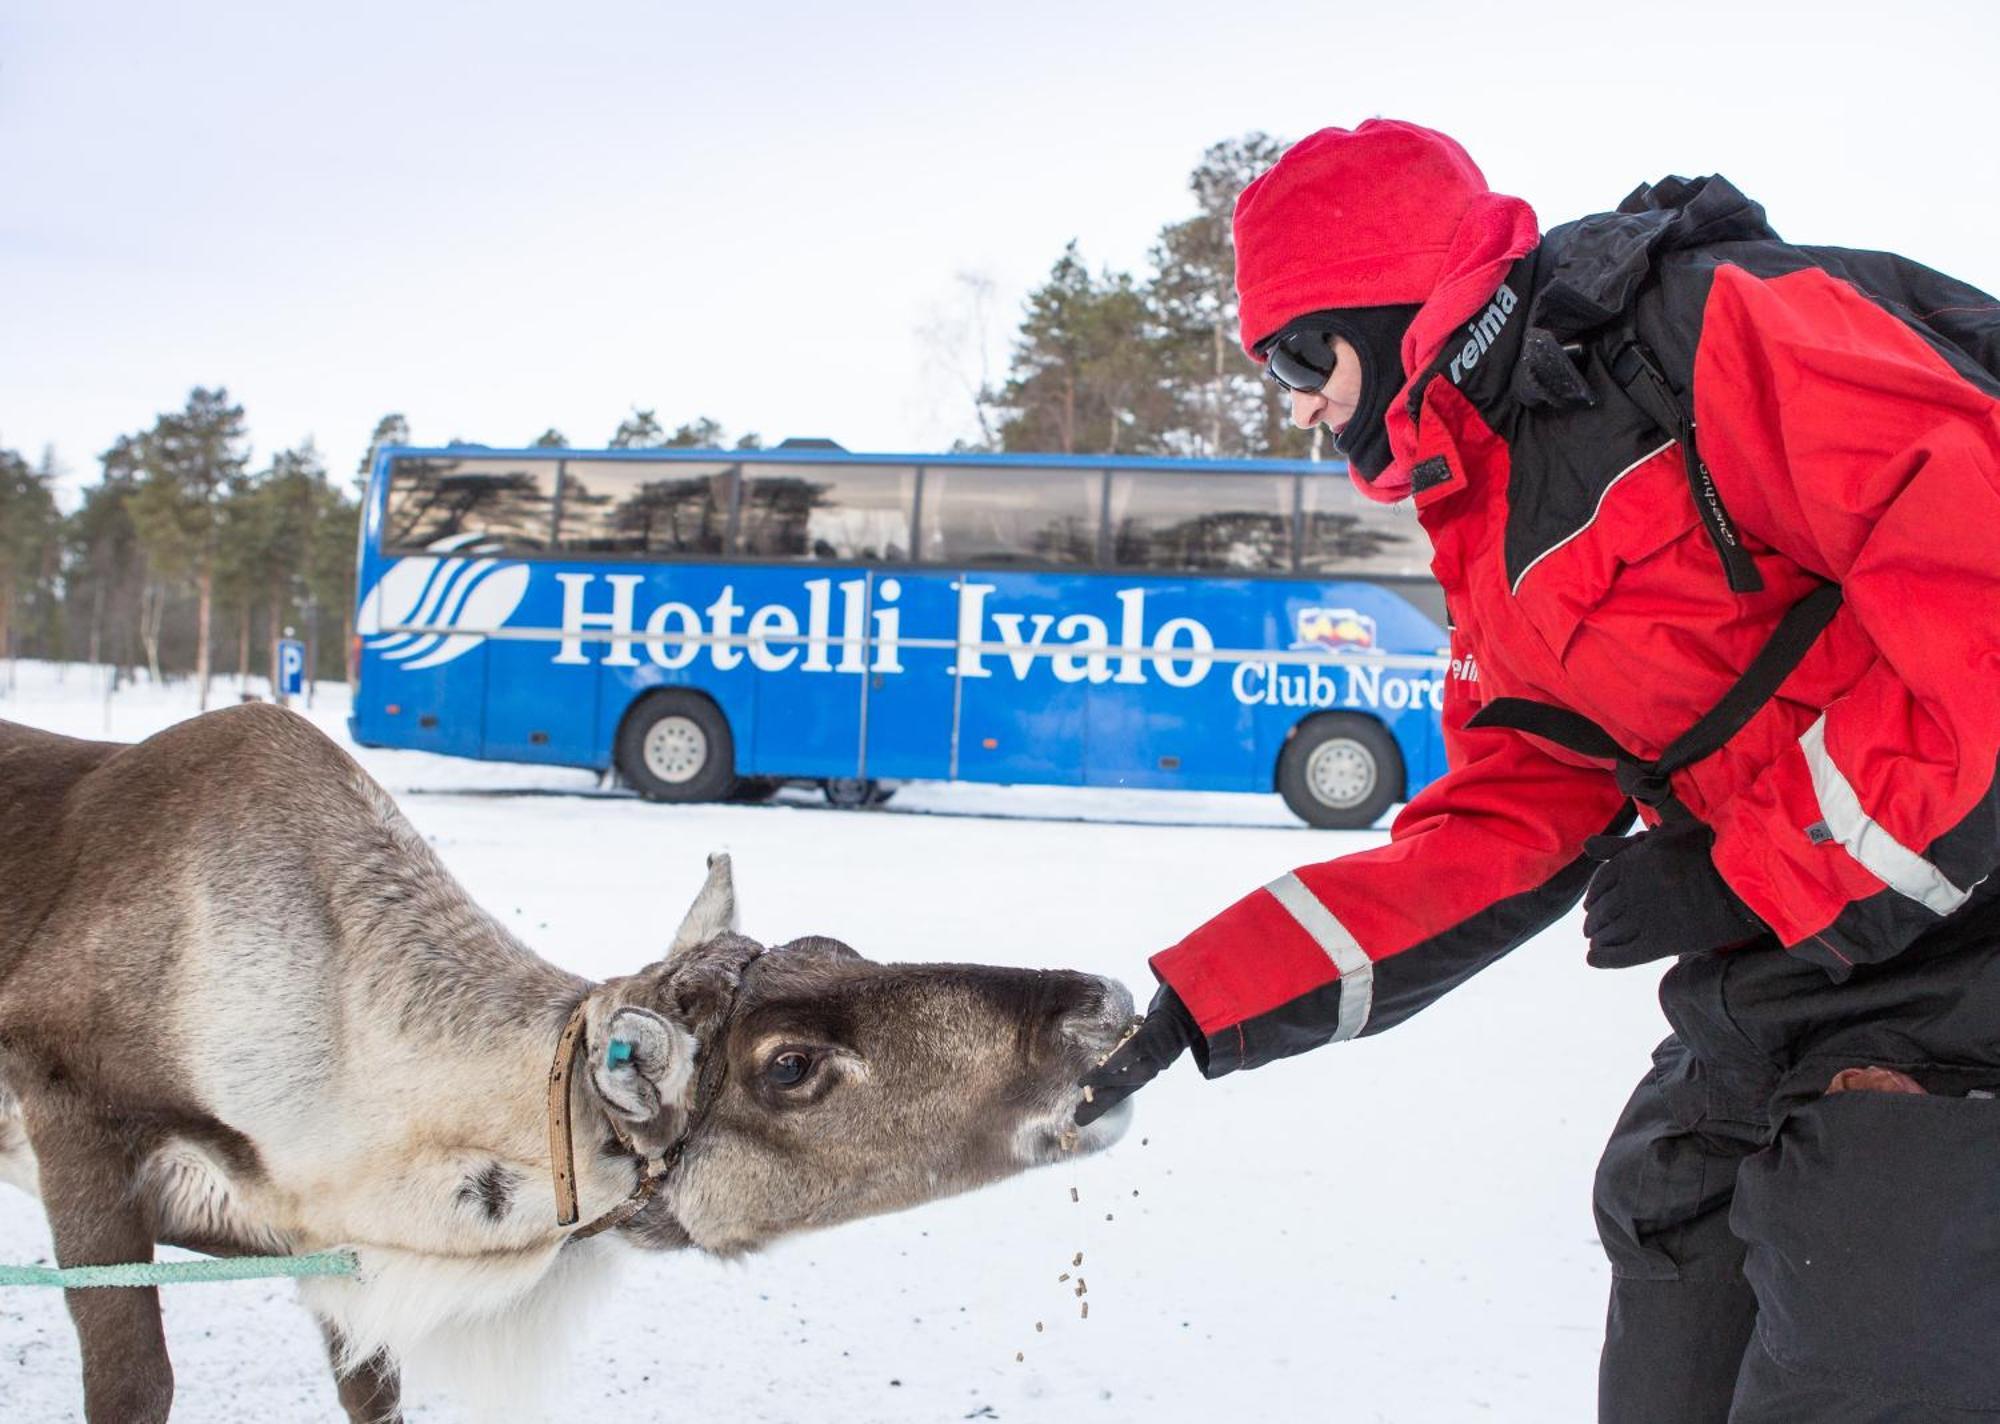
(851, 793)
(675, 746)
(1340, 772)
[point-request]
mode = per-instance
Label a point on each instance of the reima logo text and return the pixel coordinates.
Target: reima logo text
(1482, 331)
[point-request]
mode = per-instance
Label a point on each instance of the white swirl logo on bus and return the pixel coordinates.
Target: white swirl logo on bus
(454, 587)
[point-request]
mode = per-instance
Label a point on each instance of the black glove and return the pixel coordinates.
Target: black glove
(1166, 1033)
(1659, 894)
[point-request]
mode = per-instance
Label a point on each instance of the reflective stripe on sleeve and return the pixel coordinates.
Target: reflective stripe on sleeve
(1357, 970)
(1885, 857)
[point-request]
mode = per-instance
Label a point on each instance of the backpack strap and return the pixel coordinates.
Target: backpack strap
(1638, 374)
(1647, 781)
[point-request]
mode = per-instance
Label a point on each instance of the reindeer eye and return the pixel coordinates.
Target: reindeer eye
(789, 1068)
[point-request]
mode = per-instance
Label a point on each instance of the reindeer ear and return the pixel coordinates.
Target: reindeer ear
(642, 1070)
(713, 912)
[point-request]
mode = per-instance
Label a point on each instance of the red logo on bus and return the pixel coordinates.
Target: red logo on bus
(1337, 630)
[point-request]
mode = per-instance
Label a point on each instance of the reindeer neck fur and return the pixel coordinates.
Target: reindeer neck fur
(463, 1270)
(440, 994)
(340, 1047)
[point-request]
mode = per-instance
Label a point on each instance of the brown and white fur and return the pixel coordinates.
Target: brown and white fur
(248, 1029)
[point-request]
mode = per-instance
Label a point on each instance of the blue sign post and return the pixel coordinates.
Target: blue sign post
(291, 668)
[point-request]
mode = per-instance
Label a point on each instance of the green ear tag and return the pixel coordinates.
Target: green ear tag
(620, 1051)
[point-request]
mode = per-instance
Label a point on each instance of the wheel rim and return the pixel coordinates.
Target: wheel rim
(676, 749)
(849, 791)
(1341, 773)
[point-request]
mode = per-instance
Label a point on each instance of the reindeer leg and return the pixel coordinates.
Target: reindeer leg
(86, 1187)
(372, 1392)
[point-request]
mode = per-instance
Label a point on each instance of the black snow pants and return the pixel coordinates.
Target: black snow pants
(1784, 1256)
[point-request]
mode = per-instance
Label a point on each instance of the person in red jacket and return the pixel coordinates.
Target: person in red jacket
(1716, 520)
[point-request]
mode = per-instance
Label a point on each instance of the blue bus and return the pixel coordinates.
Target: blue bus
(715, 624)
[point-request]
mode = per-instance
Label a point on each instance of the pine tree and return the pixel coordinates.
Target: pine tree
(638, 431)
(701, 433)
(191, 457)
(288, 542)
(550, 439)
(269, 536)
(389, 430)
(1224, 408)
(1108, 365)
(238, 575)
(1083, 379)
(29, 527)
(105, 567)
(329, 570)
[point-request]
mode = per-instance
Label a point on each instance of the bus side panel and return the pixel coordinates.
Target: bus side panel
(425, 691)
(540, 691)
(735, 695)
(1164, 717)
(1023, 712)
(439, 708)
(1333, 639)
(780, 650)
(808, 673)
(1420, 738)
(911, 681)
(538, 709)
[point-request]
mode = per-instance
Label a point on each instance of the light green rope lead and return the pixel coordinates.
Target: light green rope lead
(174, 1273)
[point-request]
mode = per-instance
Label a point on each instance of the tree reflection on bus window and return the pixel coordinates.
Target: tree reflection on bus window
(645, 507)
(1169, 519)
(827, 512)
(996, 517)
(1347, 533)
(510, 502)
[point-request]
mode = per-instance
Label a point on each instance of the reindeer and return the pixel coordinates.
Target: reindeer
(248, 1031)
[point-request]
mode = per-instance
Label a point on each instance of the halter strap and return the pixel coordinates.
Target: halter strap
(653, 1171)
(562, 1146)
(562, 1143)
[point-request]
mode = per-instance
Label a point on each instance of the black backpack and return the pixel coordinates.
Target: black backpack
(1619, 277)
(1619, 293)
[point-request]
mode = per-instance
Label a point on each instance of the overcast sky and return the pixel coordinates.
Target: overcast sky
(499, 217)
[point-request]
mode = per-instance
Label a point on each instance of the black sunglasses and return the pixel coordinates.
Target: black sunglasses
(1300, 357)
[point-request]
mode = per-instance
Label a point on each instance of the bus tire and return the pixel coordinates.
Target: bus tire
(676, 746)
(1340, 771)
(854, 793)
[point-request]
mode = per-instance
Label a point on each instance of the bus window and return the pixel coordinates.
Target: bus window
(830, 511)
(644, 507)
(1348, 533)
(1223, 523)
(981, 516)
(434, 497)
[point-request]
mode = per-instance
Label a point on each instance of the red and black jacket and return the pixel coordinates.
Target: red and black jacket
(1847, 419)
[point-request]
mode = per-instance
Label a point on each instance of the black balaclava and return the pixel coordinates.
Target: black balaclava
(1376, 334)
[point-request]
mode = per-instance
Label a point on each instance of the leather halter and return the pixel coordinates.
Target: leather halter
(653, 1171)
(562, 1142)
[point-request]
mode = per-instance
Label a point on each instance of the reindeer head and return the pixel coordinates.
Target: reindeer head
(815, 1086)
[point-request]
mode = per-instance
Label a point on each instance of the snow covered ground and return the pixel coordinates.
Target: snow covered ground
(1393, 1229)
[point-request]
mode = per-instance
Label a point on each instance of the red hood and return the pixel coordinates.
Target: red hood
(1495, 232)
(1385, 214)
